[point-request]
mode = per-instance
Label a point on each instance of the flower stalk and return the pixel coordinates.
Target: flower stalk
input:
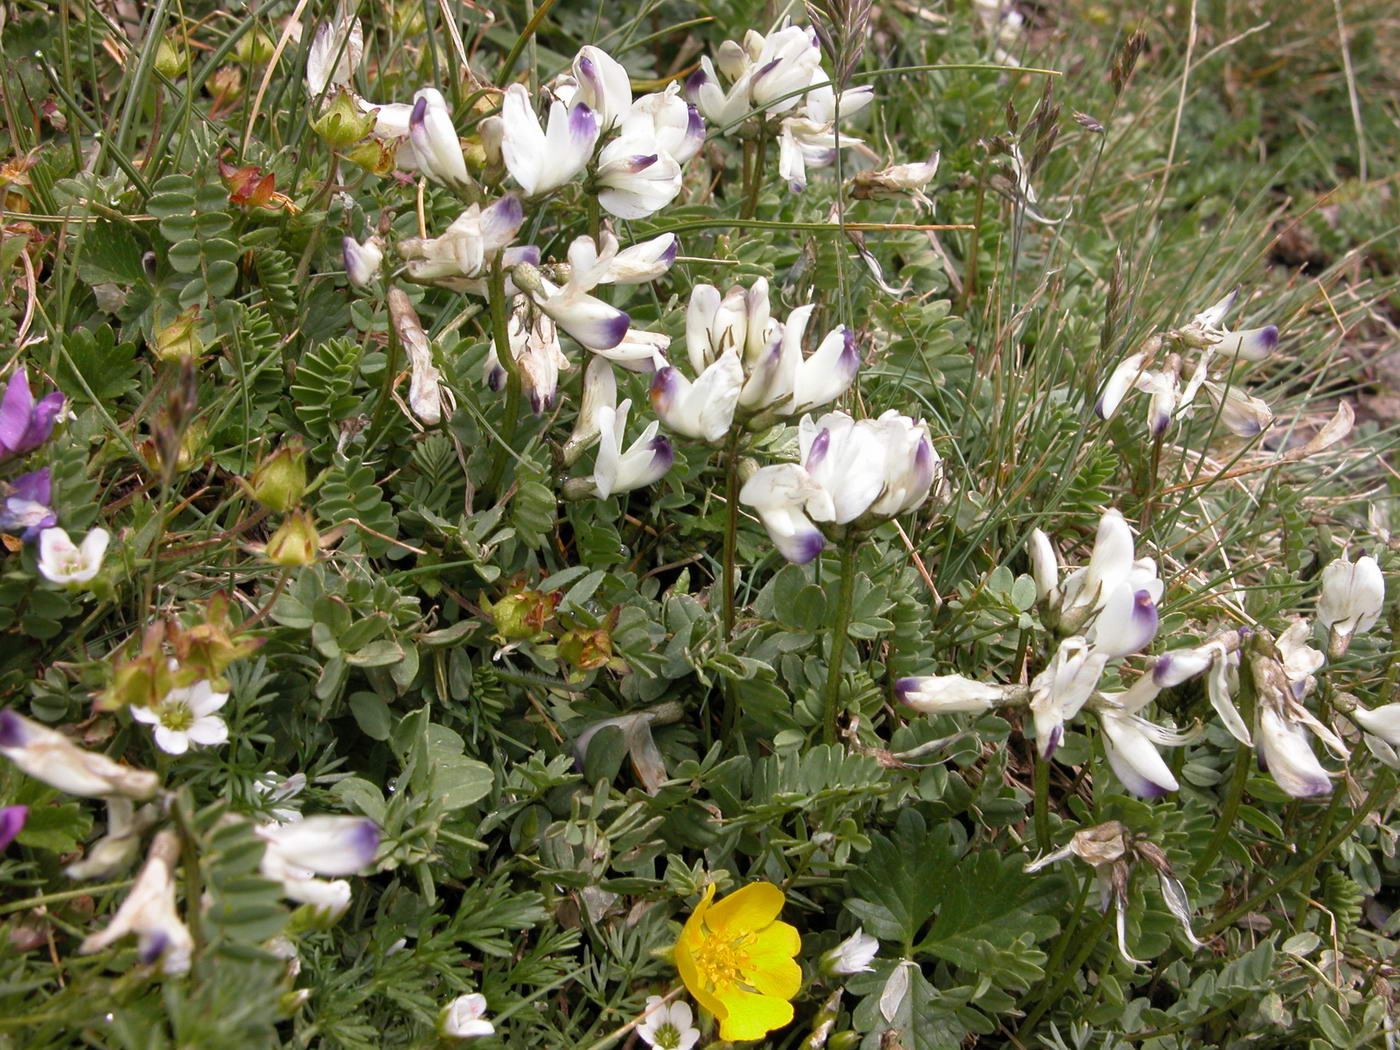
(500, 335)
(839, 630)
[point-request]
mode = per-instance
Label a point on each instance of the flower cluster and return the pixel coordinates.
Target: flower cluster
(1156, 373)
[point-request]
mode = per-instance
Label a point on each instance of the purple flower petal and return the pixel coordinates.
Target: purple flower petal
(583, 125)
(663, 455)
(663, 389)
(12, 820)
(42, 421)
(35, 486)
(905, 686)
(817, 452)
(695, 82)
(12, 732)
(15, 411)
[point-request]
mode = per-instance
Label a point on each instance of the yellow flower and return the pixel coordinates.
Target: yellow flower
(737, 960)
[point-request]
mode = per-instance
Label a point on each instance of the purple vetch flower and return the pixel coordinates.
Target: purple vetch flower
(646, 460)
(25, 510)
(1127, 623)
(636, 178)
(603, 85)
(542, 160)
(24, 423)
(12, 820)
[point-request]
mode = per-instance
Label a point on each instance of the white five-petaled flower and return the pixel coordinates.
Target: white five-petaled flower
(542, 160)
(185, 716)
(149, 912)
(853, 955)
(850, 472)
(60, 561)
(465, 1017)
(1353, 594)
(668, 1026)
(646, 460)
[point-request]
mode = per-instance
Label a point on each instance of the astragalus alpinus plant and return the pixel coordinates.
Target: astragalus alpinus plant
(829, 525)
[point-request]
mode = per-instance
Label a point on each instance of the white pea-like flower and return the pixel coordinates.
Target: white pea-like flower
(465, 1017)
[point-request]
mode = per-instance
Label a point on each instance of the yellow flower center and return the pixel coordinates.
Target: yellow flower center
(176, 716)
(721, 962)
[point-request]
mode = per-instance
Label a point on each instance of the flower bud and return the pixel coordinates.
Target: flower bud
(341, 123)
(523, 614)
(853, 955)
(374, 155)
(295, 542)
(172, 58)
(279, 482)
(586, 650)
(179, 340)
(254, 48)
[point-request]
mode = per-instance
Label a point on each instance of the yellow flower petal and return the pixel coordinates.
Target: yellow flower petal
(750, 908)
(752, 1016)
(770, 967)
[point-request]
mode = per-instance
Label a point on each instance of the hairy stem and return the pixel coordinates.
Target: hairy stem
(1225, 822)
(727, 578)
(500, 334)
(1042, 801)
(839, 628)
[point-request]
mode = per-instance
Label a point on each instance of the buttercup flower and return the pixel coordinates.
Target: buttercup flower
(736, 959)
(669, 1027)
(60, 561)
(465, 1017)
(186, 716)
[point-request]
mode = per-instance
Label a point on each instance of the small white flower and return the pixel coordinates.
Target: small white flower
(435, 142)
(1243, 414)
(949, 694)
(636, 177)
(1353, 594)
(186, 716)
(705, 408)
(1383, 721)
(1286, 751)
(361, 260)
(674, 124)
(60, 561)
(1059, 691)
(853, 955)
(335, 53)
(599, 391)
(465, 1017)
(668, 1027)
(327, 845)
